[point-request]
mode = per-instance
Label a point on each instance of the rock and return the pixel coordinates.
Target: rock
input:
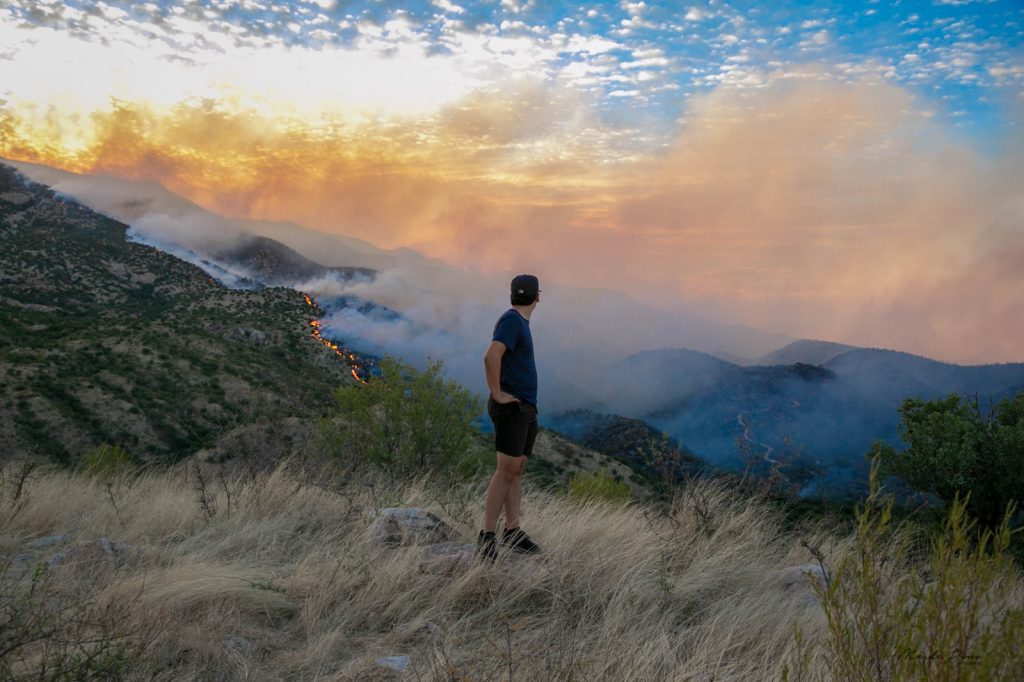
(797, 576)
(397, 663)
(48, 541)
(110, 547)
(238, 644)
(253, 337)
(407, 526)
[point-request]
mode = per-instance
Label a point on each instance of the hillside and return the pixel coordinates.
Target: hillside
(104, 340)
(818, 420)
(271, 262)
(806, 351)
(107, 341)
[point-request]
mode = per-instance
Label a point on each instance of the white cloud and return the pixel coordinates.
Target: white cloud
(644, 63)
(815, 40)
(1001, 72)
(590, 44)
(448, 6)
(648, 53)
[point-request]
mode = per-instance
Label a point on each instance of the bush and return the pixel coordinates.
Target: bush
(598, 485)
(405, 420)
(955, 451)
(107, 461)
(50, 633)
(952, 617)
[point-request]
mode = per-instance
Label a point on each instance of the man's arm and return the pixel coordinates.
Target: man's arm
(492, 370)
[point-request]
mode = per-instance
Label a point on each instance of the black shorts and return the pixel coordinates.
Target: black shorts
(515, 427)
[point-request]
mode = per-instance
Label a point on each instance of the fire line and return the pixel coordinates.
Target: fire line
(350, 358)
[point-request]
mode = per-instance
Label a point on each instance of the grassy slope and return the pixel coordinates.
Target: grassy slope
(104, 340)
(620, 595)
(275, 579)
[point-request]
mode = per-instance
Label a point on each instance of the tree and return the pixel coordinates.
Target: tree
(955, 450)
(406, 420)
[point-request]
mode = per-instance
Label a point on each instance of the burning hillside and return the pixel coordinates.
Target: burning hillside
(355, 364)
(105, 340)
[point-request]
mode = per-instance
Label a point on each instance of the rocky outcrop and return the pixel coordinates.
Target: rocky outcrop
(397, 526)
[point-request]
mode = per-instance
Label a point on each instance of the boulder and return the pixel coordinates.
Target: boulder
(238, 644)
(396, 526)
(110, 547)
(396, 663)
(48, 541)
(796, 577)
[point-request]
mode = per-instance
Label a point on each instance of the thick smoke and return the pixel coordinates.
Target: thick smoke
(443, 312)
(849, 211)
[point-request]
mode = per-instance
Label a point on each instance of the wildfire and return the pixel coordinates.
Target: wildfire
(348, 356)
(309, 301)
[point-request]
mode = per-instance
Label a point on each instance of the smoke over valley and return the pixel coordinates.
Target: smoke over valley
(725, 393)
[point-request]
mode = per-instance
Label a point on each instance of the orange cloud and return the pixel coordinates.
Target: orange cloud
(807, 207)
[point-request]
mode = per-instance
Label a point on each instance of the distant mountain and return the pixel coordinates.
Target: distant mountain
(634, 442)
(806, 351)
(103, 340)
(819, 419)
(648, 381)
(271, 262)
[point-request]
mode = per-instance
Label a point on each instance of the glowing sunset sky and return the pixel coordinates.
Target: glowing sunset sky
(851, 171)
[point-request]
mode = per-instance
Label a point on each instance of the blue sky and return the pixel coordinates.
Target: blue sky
(962, 57)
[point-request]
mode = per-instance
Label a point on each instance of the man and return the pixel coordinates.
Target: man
(512, 405)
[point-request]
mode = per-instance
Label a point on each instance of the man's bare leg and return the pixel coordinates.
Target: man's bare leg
(514, 497)
(508, 472)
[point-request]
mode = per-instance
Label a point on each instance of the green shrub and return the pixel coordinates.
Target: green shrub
(50, 632)
(951, 616)
(598, 485)
(404, 420)
(106, 461)
(955, 451)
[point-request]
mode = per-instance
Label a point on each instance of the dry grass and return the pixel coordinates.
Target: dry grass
(277, 582)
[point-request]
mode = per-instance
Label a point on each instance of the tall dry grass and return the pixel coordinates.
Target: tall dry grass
(271, 578)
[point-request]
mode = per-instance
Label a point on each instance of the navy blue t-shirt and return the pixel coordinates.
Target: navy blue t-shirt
(518, 370)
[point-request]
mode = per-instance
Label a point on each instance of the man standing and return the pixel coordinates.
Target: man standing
(512, 405)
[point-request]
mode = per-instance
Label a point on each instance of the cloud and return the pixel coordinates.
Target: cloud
(818, 201)
(806, 206)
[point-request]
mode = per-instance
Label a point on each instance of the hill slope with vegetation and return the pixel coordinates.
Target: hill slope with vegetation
(107, 341)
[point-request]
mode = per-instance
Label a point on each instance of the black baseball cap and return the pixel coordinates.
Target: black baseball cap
(525, 285)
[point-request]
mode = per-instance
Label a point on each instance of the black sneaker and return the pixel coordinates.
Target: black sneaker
(486, 550)
(519, 541)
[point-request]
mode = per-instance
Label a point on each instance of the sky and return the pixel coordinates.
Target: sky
(851, 171)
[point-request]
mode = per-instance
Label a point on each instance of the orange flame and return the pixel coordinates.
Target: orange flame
(350, 358)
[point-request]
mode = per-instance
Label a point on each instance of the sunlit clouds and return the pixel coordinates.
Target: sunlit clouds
(767, 169)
